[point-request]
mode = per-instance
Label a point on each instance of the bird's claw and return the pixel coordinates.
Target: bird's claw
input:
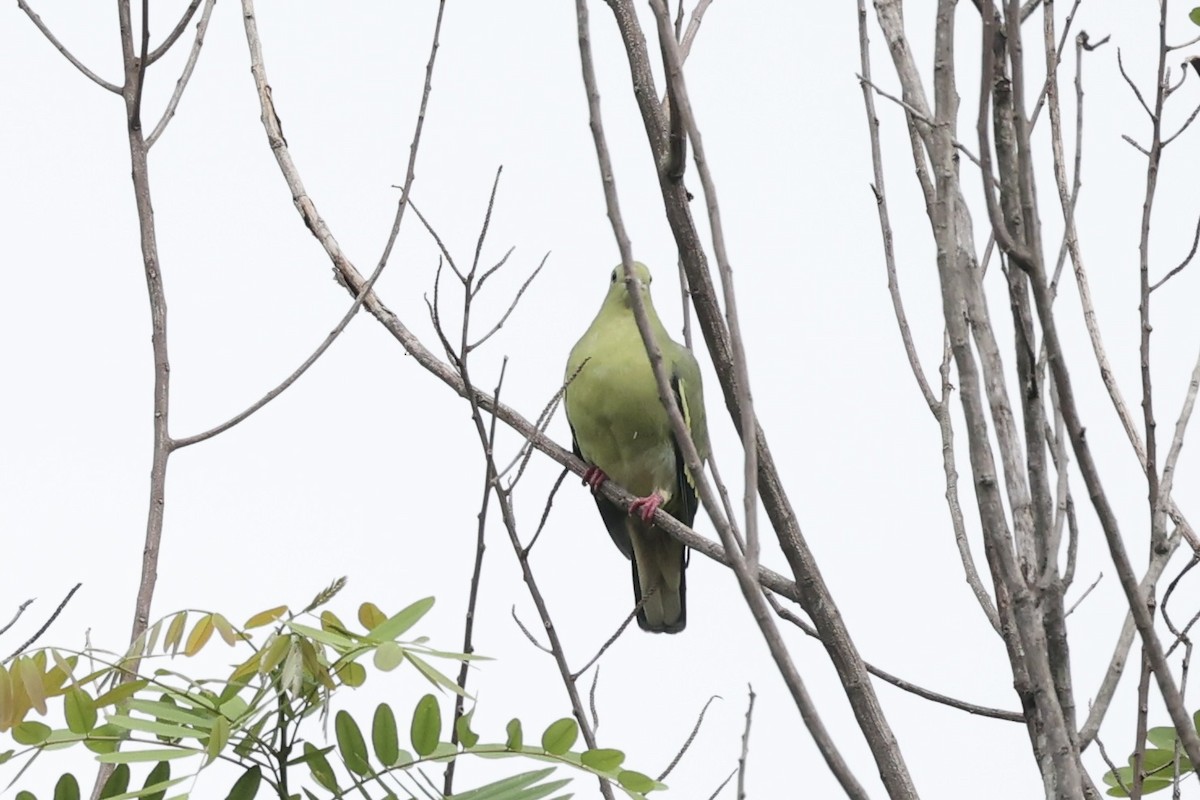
(645, 507)
(594, 477)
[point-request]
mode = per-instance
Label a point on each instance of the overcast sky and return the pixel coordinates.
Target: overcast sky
(368, 466)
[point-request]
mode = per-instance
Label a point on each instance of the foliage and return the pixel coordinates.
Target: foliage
(128, 715)
(1158, 763)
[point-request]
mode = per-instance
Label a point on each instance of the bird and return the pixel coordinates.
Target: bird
(621, 430)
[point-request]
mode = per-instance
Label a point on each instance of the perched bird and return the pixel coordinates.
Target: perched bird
(620, 428)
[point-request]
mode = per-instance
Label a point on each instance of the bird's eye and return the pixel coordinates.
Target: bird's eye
(614, 277)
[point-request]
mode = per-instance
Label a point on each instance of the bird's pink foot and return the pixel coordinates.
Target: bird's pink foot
(594, 477)
(645, 507)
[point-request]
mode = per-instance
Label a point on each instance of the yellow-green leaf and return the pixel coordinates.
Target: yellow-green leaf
(175, 632)
(274, 651)
(388, 656)
(6, 700)
(31, 678)
(265, 617)
(199, 636)
(227, 632)
(247, 668)
(370, 617)
(352, 674)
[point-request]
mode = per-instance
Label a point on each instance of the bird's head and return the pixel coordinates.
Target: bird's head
(618, 290)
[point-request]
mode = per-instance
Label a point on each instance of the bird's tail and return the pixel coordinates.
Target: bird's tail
(659, 580)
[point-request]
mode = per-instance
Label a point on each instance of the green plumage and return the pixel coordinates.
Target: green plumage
(620, 427)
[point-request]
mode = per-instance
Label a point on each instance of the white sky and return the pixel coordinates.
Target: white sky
(368, 467)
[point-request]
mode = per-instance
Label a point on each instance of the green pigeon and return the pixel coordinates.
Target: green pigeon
(621, 430)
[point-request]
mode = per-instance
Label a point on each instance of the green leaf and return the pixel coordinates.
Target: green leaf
(265, 618)
(351, 743)
(143, 756)
(25, 795)
(388, 656)
(30, 732)
(1194, 16)
(104, 739)
(463, 727)
(122, 691)
(246, 787)
(117, 783)
(515, 739)
(67, 788)
(560, 736)
(165, 729)
(172, 713)
(331, 638)
(433, 676)
(426, 726)
(635, 781)
(510, 787)
(217, 740)
(159, 776)
(321, 771)
(399, 623)
(384, 735)
(80, 710)
(602, 759)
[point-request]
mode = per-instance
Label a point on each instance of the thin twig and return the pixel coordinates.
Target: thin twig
(741, 770)
(1083, 596)
(45, 626)
(900, 683)
(175, 33)
(688, 742)
(41, 26)
(188, 67)
(20, 610)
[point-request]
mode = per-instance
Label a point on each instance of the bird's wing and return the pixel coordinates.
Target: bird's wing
(614, 516)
